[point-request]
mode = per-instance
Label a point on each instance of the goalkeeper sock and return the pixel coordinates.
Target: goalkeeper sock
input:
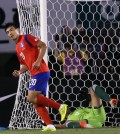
(100, 93)
(43, 113)
(73, 124)
(76, 124)
(44, 101)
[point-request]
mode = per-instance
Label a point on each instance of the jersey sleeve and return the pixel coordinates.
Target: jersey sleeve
(32, 40)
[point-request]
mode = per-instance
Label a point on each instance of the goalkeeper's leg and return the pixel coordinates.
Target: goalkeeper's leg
(95, 100)
(97, 110)
(100, 93)
(74, 124)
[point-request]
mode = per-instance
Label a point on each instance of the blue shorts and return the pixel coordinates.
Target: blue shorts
(39, 82)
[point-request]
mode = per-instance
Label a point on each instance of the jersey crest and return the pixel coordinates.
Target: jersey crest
(22, 45)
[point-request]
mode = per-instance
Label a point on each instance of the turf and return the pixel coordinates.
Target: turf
(65, 131)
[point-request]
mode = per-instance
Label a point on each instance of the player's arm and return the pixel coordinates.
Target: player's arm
(42, 48)
(23, 69)
(74, 124)
(78, 124)
(60, 126)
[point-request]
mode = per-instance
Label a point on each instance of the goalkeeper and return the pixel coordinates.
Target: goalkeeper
(90, 117)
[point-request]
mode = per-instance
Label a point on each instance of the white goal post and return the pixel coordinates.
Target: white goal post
(24, 116)
(92, 27)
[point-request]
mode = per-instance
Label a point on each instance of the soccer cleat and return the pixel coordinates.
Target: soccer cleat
(113, 103)
(47, 128)
(63, 111)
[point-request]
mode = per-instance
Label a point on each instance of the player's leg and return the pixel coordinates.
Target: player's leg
(62, 108)
(60, 126)
(37, 98)
(37, 92)
(103, 95)
(98, 115)
(98, 111)
(100, 93)
(95, 100)
(74, 124)
(42, 111)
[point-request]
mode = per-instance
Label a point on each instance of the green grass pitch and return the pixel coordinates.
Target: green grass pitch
(65, 131)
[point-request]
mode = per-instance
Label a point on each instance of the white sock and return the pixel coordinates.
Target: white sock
(50, 126)
(94, 86)
(61, 106)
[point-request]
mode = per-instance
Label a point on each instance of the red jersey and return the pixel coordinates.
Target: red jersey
(27, 52)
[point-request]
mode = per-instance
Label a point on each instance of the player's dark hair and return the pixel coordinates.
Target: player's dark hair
(9, 25)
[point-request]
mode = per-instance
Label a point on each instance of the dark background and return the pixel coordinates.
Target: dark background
(8, 85)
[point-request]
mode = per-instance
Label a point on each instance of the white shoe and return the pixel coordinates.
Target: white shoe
(49, 128)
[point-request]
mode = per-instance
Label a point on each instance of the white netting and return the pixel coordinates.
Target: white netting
(98, 37)
(24, 115)
(29, 16)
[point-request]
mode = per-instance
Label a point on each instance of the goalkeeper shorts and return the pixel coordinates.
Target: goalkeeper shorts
(39, 82)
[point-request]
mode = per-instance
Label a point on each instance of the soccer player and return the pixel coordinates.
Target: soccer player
(93, 117)
(30, 51)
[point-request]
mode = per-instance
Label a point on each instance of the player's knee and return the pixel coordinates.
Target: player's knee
(91, 91)
(31, 99)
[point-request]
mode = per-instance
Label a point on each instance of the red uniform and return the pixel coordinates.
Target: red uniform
(27, 52)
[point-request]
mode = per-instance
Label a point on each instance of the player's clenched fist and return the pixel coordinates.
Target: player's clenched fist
(16, 73)
(36, 65)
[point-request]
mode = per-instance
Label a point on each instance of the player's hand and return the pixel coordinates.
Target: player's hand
(36, 65)
(16, 73)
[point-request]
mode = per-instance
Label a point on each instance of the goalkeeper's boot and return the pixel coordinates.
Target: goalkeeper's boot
(113, 102)
(63, 111)
(48, 128)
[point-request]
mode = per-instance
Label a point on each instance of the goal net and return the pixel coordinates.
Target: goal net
(24, 116)
(91, 29)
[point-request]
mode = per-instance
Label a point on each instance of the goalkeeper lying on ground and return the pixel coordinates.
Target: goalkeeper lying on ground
(90, 117)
